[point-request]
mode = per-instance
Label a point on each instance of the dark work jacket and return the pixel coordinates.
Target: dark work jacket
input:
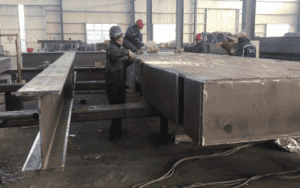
(241, 43)
(198, 48)
(133, 39)
(117, 62)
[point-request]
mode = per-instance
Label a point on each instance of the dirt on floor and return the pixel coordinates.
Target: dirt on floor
(94, 161)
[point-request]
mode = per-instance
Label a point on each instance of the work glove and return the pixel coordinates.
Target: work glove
(226, 46)
(132, 55)
(139, 52)
(144, 48)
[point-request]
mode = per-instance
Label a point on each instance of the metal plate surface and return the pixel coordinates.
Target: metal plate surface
(243, 111)
(160, 90)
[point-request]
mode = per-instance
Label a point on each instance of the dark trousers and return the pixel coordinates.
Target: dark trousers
(116, 95)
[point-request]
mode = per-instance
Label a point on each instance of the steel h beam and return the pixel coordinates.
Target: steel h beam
(179, 23)
(61, 20)
(55, 89)
(132, 12)
(149, 21)
(248, 19)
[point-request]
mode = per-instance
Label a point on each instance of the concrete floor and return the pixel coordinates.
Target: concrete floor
(137, 158)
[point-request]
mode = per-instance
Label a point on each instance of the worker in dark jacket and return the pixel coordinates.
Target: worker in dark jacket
(244, 47)
(118, 60)
(200, 46)
(133, 39)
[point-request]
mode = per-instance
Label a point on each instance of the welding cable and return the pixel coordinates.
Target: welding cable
(172, 170)
(271, 175)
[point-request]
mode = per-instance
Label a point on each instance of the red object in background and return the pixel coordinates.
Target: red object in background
(199, 36)
(29, 49)
(140, 23)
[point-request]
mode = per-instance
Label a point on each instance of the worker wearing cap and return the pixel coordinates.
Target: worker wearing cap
(200, 46)
(244, 47)
(133, 39)
(118, 59)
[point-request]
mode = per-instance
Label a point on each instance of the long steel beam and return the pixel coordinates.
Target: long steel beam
(55, 89)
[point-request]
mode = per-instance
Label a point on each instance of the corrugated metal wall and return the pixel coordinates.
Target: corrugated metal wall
(9, 25)
(35, 25)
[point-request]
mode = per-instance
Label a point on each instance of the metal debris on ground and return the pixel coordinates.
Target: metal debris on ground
(289, 144)
(72, 135)
(181, 137)
(98, 157)
(7, 177)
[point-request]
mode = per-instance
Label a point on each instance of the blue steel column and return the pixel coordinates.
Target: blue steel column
(195, 20)
(248, 19)
(149, 21)
(132, 12)
(179, 23)
(61, 20)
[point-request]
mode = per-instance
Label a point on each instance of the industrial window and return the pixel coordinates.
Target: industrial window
(97, 33)
(277, 30)
(164, 32)
(22, 27)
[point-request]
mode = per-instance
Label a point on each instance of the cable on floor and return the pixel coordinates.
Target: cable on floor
(172, 170)
(226, 183)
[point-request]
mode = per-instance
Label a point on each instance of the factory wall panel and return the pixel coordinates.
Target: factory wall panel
(201, 18)
(52, 16)
(31, 10)
(140, 5)
(54, 28)
(188, 18)
(200, 28)
(220, 4)
(187, 38)
(34, 22)
(52, 7)
(201, 10)
(95, 17)
(83, 5)
(53, 36)
(74, 28)
(188, 28)
(35, 26)
(277, 7)
(74, 36)
(10, 45)
(276, 19)
(166, 6)
(34, 35)
(9, 10)
(75, 17)
(10, 22)
(260, 28)
(214, 21)
(142, 16)
(29, 2)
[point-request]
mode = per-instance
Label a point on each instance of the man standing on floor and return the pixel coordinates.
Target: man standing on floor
(118, 60)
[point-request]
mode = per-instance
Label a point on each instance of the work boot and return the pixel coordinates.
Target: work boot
(115, 130)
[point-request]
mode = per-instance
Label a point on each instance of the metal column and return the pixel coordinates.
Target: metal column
(149, 21)
(298, 22)
(179, 23)
(248, 19)
(132, 11)
(195, 20)
(61, 20)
